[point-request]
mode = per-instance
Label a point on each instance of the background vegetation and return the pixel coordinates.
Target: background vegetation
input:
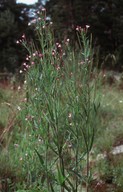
(104, 17)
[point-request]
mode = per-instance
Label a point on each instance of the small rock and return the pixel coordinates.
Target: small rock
(117, 150)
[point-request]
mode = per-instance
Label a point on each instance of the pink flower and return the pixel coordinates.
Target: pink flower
(17, 42)
(59, 46)
(24, 64)
(87, 26)
(43, 9)
(23, 36)
(78, 28)
(34, 54)
(40, 55)
(27, 58)
(53, 53)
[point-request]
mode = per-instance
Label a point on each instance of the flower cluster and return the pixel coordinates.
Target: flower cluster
(31, 60)
(23, 39)
(80, 29)
(40, 16)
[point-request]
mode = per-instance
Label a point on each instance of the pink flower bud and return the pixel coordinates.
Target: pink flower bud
(17, 42)
(23, 36)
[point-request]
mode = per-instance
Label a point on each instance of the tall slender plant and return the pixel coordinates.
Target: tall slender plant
(62, 107)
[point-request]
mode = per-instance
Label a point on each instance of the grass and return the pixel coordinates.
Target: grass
(5, 98)
(110, 134)
(9, 100)
(111, 118)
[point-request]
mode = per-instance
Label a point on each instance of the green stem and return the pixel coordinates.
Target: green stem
(88, 172)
